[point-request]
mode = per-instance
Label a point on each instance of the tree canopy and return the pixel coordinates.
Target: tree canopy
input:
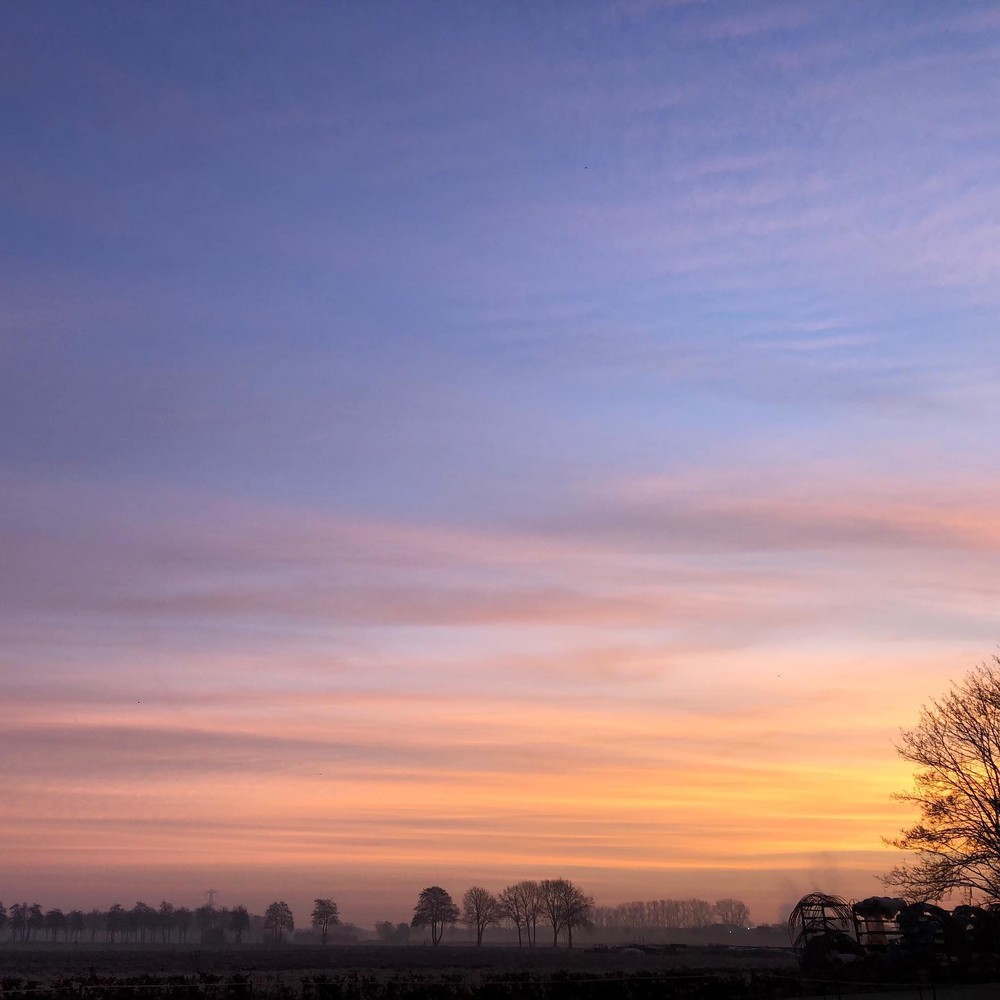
(955, 747)
(435, 909)
(324, 916)
(278, 919)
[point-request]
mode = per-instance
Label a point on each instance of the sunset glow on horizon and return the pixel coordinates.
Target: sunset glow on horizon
(450, 444)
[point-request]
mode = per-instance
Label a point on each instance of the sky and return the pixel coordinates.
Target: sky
(450, 443)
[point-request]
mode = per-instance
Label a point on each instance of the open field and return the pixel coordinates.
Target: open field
(99, 972)
(73, 959)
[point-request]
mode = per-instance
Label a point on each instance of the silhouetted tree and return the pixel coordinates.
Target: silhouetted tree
(183, 918)
(277, 920)
(565, 906)
(76, 924)
(94, 920)
(733, 912)
(435, 909)
(239, 920)
(55, 923)
(114, 921)
(522, 906)
(510, 905)
(390, 933)
(36, 920)
(166, 920)
(324, 915)
(480, 909)
(18, 921)
(955, 747)
(143, 921)
(3, 916)
(205, 919)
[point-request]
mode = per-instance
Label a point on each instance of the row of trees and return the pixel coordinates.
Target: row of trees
(556, 902)
(672, 913)
(144, 924)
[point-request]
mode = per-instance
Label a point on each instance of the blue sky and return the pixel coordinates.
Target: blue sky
(581, 360)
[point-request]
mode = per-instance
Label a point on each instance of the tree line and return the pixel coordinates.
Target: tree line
(166, 924)
(558, 905)
(672, 913)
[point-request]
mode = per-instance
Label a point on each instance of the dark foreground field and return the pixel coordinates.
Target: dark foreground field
(252, 972)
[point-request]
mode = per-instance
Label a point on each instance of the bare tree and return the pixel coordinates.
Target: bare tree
(522, 906)
(513, 911)
(733, 912)
(955, 747)
(480, 909)
(435, 909)
(565, 906)
(324, 916)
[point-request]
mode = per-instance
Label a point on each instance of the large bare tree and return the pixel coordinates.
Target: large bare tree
(565, 906)
(955, 747)
(480, 909)
(521, 904)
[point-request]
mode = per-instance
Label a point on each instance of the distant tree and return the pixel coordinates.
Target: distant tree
(701, 913)
(734, 912)
(565, 906)
(324, 915)
(522, 906)
(36, 920)
(165, 915)
(435, 909)
(183, 918)
(3, 916)
(55, 923)
(277, 920)
(239, 921)
(76, 924)
(512, 911)
(205, 919)
(143, 921)
(578, 907)
(94, 920)
(18, 918)
(480, 909)
(114, 921)
(349, 933)
(390, 933)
